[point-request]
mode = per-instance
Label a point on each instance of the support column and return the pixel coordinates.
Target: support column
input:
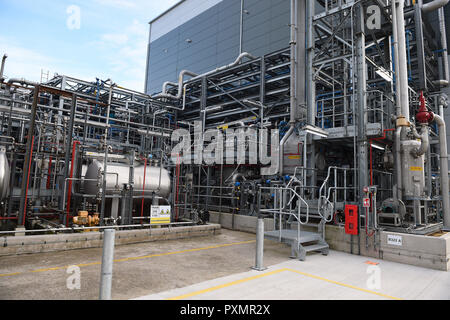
(361, 105)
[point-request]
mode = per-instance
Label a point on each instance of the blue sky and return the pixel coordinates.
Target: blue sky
(111, 41)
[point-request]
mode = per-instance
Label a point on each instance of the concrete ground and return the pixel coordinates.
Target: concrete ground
(339, 276)
(139, 269)
(217, 267)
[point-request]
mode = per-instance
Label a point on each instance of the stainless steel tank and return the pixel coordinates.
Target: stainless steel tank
(4, 174)
(413, 173)
(156, 179)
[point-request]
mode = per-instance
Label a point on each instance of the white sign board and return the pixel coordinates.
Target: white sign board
(394, 240)
(160, 214)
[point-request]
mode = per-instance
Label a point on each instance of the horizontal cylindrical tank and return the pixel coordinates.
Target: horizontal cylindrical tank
(157, 179)
(4, 174)
(413, 172)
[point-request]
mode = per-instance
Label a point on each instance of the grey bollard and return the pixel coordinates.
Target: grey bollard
(259, 266)
(107, 264)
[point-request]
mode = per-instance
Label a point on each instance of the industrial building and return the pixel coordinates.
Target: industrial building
(347, 99)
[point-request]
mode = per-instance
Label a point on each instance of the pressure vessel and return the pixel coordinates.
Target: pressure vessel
(4, 174)
(157, 179)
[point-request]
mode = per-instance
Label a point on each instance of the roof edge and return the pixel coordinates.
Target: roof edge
(167, 11)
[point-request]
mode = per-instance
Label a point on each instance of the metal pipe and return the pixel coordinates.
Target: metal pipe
(281, 154)
(2, 68)
(433, 5)
(398, 110)
(398, 164)
(107, 264)
(293, 66)
(444, 170)
(444, 82)
(403, 66)
(182, 89)
(164, 93)
(28, 157)
(424, 138)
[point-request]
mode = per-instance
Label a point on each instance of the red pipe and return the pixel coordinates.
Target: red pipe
(28, 181)
(69, 192)
(8, 218)
(143, 191)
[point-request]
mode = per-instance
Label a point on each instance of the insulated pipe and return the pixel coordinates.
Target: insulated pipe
(433, 5)
(444, 82)
(424, 138)
(2, 68)
(293, 45)
(164, 94)
(398, 109)
(281, 154)
(403, 66)
(444, 169)
(398, 163)
(22, 81)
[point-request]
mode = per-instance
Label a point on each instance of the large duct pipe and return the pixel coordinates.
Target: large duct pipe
(433, 5)
(403, 66)
(444, 170)
(444, 82)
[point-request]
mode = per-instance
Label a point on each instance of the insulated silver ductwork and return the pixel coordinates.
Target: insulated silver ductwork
(444, 169)
(195, 76)
(434, 5)
(2, 68)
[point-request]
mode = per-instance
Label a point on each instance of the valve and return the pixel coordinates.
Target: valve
(424, 116)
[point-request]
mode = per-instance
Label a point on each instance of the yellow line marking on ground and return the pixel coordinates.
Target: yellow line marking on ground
(133, 258)
(9, 274)
(344, 285)
(188, 295)
(196, 293)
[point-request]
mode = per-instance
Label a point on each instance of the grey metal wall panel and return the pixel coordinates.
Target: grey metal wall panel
(215, 36)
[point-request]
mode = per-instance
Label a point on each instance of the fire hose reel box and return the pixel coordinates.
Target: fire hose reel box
(351, 219)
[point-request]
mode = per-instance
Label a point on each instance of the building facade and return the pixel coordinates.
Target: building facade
(200, 35)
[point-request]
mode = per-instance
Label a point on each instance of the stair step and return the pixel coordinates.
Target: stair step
(316, 247)
(290, 235)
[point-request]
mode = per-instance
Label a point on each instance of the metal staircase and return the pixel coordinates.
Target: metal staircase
(291, 209)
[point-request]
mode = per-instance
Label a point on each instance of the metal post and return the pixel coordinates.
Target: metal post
(259, 266)
(107, 264)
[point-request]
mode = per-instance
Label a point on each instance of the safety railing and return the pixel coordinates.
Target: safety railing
(283, 206)
(330, 187)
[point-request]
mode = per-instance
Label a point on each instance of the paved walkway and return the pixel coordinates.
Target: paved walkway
(337, 276)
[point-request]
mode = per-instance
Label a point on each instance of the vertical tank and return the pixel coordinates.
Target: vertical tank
(4, 174)
(413, 172)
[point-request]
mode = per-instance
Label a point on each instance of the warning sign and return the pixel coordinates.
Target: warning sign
(366, 202)
(160, 215)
